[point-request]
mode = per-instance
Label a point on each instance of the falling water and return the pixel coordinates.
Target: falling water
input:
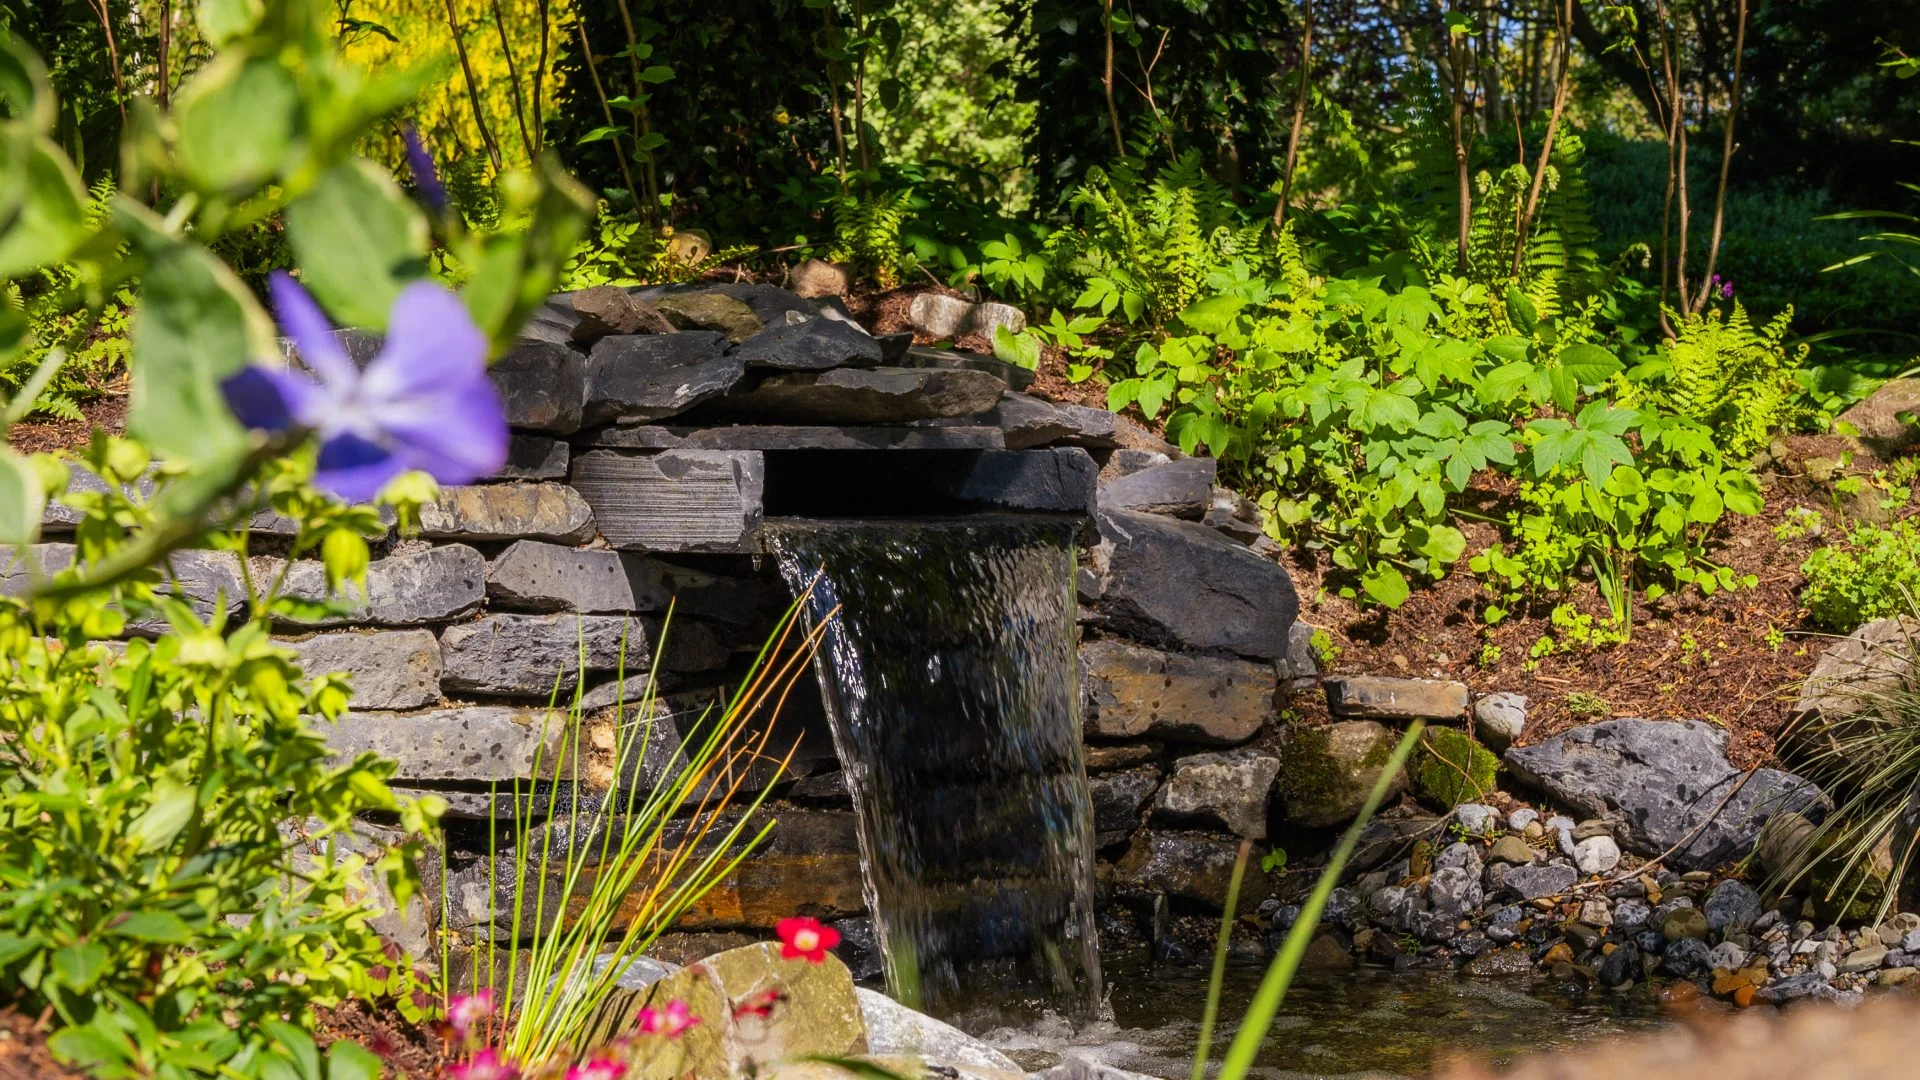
(949, 677)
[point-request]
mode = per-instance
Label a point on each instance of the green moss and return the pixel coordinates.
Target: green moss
(1450, 768)
(1308, 773)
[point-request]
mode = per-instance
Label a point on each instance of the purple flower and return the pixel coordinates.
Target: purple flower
(426, 179)
(424, 403)
(1723, 287)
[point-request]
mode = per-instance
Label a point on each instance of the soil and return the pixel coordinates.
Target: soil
(410, 1053)
(108, 412)
(23, 1050)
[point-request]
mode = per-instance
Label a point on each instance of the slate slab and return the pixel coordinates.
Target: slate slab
(679, 500)
(402, 590)
(815, 345)
(534, 457)
(1131, 691)
(789, 437)
(1178, 584)
(535, 576)
(863, 396)
(391, 669)
(474, 743)
(543, 385)
(529, 654)
(651, 376)
(1182, 489)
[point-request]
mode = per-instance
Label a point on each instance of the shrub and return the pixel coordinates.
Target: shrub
(1451, 768)
(1873, 574)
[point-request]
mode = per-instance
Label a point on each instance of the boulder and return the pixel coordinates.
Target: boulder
(1226, 790)
(863, 396)
(938, 315)
(1874, 660)
(1534, 881)
(534, 457)
(1182, 489)
(895, 1030)
(1660, 781)
(508, 512)
(815, 345)
(815, 1013)
(813, 278)
(1131, 690)
(402, 590)
(472, 743)
(1877, 417)
(1383, 697)
(1029, 422)
(395, 669)
(536, 576)
(1499, 718)
(714, 311)
(1117, 799)
(606, 310)
(651, 376)
(1175, 583)
(1327, 771)
(543, 385)
(991, 315)
(529, 654)
(1060, 480)
(1188, 865)
(678, 501)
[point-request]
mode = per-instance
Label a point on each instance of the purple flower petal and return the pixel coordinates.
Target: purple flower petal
(429, 389)
(459, 437)
(354, 468)
(432, 343)
(425, 177)
(312, 335)
(267, 399)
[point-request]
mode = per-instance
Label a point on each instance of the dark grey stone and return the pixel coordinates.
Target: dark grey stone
(553, 322)
(1175, 583)
(394, 669)
(402, 590)
(1061, 480)
(1016, 378)
(1660, 781)
(534, 457)
(474, 743)
(1619, 967)
(780, 437)
(529, 654)
(1732, 906)
(1180, 489)
(1188, 865)
(814, 345)
(651, 376)
(1029, 422)
(543, 384)
(1686, 959)
(863, 396)
(680, 500)
(534, 576)
(1117, 800)
(1532, 882)
(894, 346)
(58, 517)
(605, 310)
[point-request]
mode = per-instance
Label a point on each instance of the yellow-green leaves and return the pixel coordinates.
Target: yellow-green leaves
(21, 500)
(359, 241)
(238, 122)
(50, 219)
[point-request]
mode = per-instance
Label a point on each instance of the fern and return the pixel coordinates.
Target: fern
(1737, 381)
(1563, 237)
(867, 233)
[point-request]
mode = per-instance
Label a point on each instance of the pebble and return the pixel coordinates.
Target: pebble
(1591, 828)
(1631, 912)
(1911, 942)
(1867, 959)
(1510, 849)
(1596, 854)
(1534, 830)
(1597, 913)
(1686, 958)
(1521, 818)
(1727, 956)
(1731, 906)
(1894, 976)
(1477, 819)
(1458, 857)
(1684, 924)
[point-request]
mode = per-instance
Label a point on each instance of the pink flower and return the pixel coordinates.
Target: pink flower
(467, 1012)
(598, 1069)
(803, 937)
(485, 1065)
(761, 1004)
(672, 1021)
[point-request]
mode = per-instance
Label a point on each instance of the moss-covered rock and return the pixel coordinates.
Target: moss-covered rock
(1450, 768)
(1327, 770)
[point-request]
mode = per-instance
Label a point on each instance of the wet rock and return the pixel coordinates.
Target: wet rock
(1660, 781)
(1500, 963)
(397, 669)
(811, 279)
(1180, 489)
(1189, 865)
(1228, 790)
(678, 501)
(1596, 855)
(1101, 758)
(1732, 906)
(1531, 882)
(815, 345)
(1117, 801)
(1619, 967)
(552, 512)
(1327, 771)
(474, 743)
(402, 590)
(1177, 583)
(606, 310)
(1387, 698)
(1875, 659)
(543, 386)
(534, 457)
(713, 311)
(1131, 690)
(528, 654)
(1499, 718)
(895, 1030)
(652, 376)
(1325, 953)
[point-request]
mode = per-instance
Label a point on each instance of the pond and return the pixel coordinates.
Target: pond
(1369, 1023)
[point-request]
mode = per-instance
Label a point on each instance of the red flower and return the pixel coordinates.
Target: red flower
(803, 937)
(760, 1004)
(467, 1012)
(672, 1021)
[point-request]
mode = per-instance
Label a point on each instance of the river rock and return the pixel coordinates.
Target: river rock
(1117, 800)
(549, 577)
(473, 743)
(528, 654)
(1877, 417)
(1684, 922)
(1182, 584)
(1227, 789)
(1510, 849)
(543, 386)
(1499, 718)
(1327, 771)
(1530, 882)
(1500, 963)
(814, 345)
(864, 396)
(606, 310)
(710, 311)
(1596, 855)
(816, 1013)
(1386, 698)
(1454, 891)
(1189, 865)
(397, 669)
(508, 512)
(1660, 780)
(651, 376)
(402, 590)
(814, 278)
(1732, 906)
(1132, 691)
(678, 501)
(1182, 489)
(1873, 660)
(534, 457)
(895, 1030)
(1477, 819)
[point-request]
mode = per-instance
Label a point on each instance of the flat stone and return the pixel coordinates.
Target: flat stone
(552, 322)
(938, 315)
(1182, 489)
(653, 376)
(395, 669)
(1327, 771)
(714, 311)
(534, 457)
(473, 743)
(1385, 698)
(508, 512)
(1188, 865)
(59, 517)
(1028, 422)
(402, 590)
(811, 437)
(543, 384)
(1659, 781)
(771, 303)
(1875, 659)
(815, 345)
(408, 926)
(1016, 378)
(209, 581)
(1234, 514)
(1226, 790)
(679, 501)
(606, 310)
(863, 396)
(1099, 758)
(1512, 850)
(1499, 718)
(1177, 583)
(895, 1030)
(1877, 417)
(535, 576)
(1132, 690)
(1534, 881)
(529, 654)
(1061, 480)
(1117, 800)
(1125, 462)
(812, 278)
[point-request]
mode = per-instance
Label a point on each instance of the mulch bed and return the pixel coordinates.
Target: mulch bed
(410, 1053)
(23, 1050)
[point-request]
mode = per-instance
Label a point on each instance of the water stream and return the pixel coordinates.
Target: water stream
(948, 672)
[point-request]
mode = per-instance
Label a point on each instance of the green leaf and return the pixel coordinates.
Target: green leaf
(163, 927)
(348, 1060)
(237, 120)
(79, 966)
(173, 806)
(224, 20)
(21, 500)
(657, 73)
(1020, 350)
(1213, 315)
(600, 134)
(51, 217)
(1444, 545)
(359, 240)
(1590, 364)
(1384, 584)
(1521, 310)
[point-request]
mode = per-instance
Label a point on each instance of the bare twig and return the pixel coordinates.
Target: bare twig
(540, 68)
(1726, 160)
(600, 90)
(473, 90)
(1563, 22)
(513, 81)
(1106, 82)
(113, 54)
(1299, 117)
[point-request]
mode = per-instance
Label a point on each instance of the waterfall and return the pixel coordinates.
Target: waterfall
(948, 672)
